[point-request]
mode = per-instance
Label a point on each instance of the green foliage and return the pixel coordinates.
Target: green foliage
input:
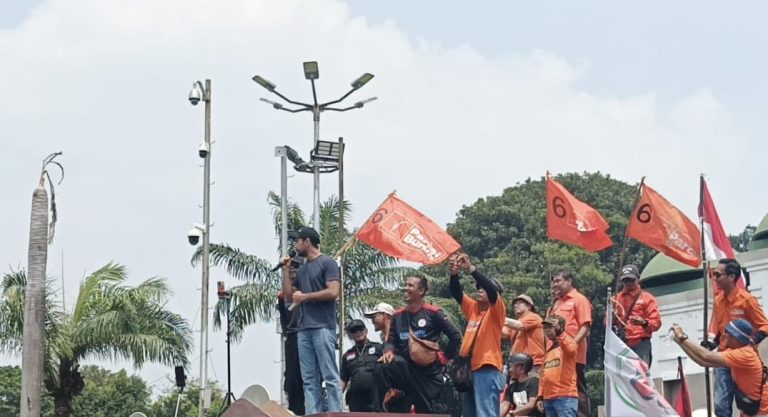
(109, 320)
(506, 234)
(165, 405)
(10, 393)
(740, 242)
(108, 394)
(595, 388)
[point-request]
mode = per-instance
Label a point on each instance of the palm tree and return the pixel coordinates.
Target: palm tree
(109, 320)
(369, 275)
(33, 335)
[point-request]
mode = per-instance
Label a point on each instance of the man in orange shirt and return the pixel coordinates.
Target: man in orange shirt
(485, 318)
(525, 332)
(731, 304)
(740, 360)
(576, 309)
(638, 317)
(558, 394)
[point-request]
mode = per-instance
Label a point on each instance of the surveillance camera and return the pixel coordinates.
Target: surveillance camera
(194, 100)
(194, 235)
(203, 150)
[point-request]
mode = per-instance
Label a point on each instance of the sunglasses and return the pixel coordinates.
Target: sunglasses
(357, 330)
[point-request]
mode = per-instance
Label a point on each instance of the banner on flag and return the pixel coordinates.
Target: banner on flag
(572, 221)
(663, 227)
(401, 231)
(631, 390)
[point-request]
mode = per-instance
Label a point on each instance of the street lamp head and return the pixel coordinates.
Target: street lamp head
(264, 82)
(274, 104)
(311, 70)
(361, 80)
(362, 103)
(195, 95)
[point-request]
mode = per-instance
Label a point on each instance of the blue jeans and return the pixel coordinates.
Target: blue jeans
(723, 392)
(317, 353)
(484, 399)
(561, 407)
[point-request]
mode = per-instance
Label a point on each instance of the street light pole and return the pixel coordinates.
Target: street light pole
(203, 92)
(282, 153)
(312, 73)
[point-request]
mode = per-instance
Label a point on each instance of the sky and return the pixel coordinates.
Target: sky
(471, 99)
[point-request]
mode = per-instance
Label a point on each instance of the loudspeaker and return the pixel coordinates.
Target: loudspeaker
(181, 378)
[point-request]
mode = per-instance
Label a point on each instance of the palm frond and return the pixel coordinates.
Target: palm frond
(239, 264)
(250, 303)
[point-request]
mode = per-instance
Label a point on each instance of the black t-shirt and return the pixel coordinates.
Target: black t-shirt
(314, 276)
(358, 365)
(519, 393)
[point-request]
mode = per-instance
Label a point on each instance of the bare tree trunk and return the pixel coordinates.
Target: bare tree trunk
(33, 354)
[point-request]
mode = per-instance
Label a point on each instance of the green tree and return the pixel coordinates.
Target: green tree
(740, 242)
(107, 393)
(108, 320)
(369, 276)
(165, 405)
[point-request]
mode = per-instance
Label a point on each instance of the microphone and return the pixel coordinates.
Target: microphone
(281, 264)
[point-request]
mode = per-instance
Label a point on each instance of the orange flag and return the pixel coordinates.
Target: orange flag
(573, 221)
(401, 231)
(660, 225)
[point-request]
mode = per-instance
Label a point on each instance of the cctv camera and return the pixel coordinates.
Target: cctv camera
(194, 100)
(203, 150)
(194, 235)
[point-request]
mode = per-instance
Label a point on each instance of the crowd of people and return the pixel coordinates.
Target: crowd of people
(544, 374)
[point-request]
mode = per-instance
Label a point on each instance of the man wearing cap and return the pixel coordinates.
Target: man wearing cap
(576, 309)
(740, 360)
(558, 392)
(732, 303)
(638, 317)
(381, 316)
(357, 368)
(289, 323)
(523, 390)
(314, 294)
(525, 333)
(485, 318)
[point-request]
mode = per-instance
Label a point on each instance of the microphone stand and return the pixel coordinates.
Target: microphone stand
(230, 397)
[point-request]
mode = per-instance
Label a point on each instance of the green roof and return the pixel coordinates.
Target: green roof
(663, 266)
(761, 233)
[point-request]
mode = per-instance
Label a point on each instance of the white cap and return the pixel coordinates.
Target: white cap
(381, 308)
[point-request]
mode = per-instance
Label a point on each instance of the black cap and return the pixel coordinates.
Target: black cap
(629, 271)
(306, 233)
(355, 324)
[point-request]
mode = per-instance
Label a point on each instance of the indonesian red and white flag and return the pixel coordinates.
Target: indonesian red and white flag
(401, 231)
(716, 243)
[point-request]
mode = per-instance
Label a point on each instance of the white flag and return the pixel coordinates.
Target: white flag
(631, 392)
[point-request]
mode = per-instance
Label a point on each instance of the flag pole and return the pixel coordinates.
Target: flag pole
(352, 239)
(606, 377)
(705, 273)
(626, 237)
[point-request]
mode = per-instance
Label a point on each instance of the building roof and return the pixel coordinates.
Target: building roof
(663, 266)
(760, 238)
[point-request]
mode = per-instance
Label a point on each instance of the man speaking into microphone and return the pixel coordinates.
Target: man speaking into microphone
(314, 293)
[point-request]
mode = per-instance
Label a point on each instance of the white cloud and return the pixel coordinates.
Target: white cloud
(106, 82)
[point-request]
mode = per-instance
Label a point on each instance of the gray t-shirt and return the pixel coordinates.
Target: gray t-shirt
(314, 276)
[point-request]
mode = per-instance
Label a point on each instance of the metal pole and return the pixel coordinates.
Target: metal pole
(705, 272)
(342, 304)
(316, 169)
(206, 257)
(282, 152)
